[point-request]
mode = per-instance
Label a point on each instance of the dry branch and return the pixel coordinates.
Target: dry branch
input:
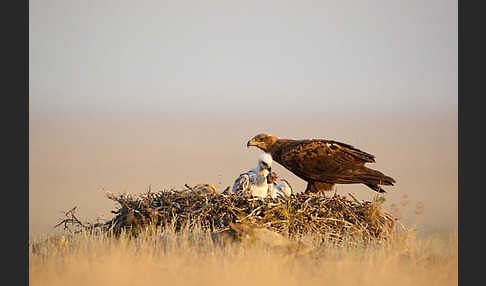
(332, 217)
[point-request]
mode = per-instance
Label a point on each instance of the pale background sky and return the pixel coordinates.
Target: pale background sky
(124, 94)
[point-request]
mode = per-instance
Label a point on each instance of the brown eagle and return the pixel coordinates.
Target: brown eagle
(322, 163)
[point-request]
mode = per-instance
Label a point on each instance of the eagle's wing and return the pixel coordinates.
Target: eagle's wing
(350, 150)
(241, 184)
(323, 160)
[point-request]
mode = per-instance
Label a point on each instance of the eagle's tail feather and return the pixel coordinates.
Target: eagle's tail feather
(375, 178)
(376, 188)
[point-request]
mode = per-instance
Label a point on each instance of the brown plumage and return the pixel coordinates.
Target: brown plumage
(323, 163)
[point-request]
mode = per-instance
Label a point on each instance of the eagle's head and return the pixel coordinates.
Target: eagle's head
(272, 178)
(263, 141)
(265, 162)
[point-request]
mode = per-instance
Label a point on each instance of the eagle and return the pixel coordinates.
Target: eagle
(254, 182)
(275, 189)
(322, 163)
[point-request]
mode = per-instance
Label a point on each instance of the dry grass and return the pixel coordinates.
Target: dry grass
(189, 248)
(167, 257)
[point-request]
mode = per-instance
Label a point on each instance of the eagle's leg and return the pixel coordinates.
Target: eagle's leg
(318, 187)
(308, 188)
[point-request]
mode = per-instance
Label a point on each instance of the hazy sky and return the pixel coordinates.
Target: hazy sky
(162, 55)
(164, 79)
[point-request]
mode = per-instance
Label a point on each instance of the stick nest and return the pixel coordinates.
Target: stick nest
(333, 217)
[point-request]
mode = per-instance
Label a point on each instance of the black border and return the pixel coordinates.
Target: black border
(471, 122)
(15, 117)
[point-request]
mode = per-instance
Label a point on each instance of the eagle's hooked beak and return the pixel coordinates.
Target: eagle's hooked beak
(250, 142)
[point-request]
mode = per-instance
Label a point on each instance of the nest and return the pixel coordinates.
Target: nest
(335, 217)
